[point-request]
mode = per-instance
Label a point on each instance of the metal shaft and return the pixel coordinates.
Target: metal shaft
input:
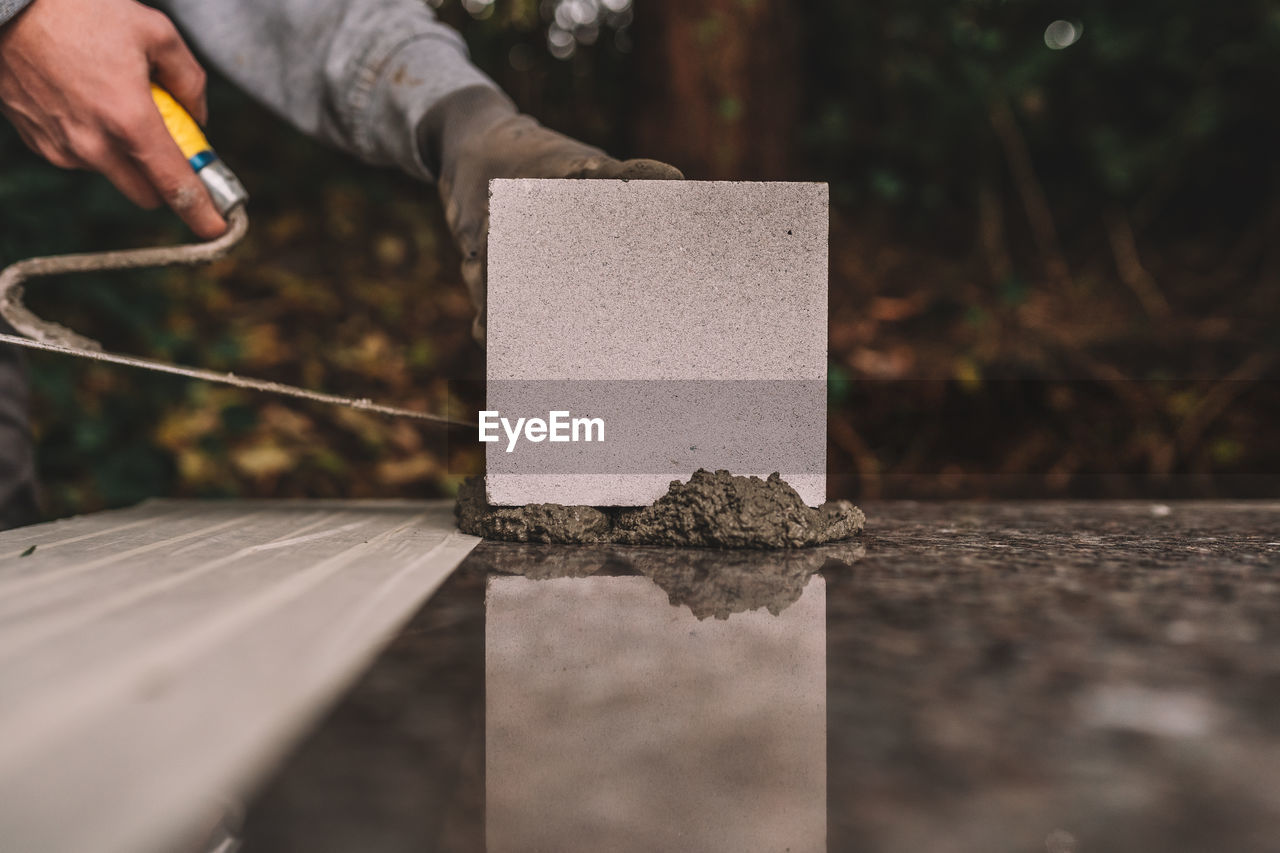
(35, 333)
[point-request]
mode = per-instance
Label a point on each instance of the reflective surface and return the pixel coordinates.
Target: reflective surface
(615, 721)
(988, 678)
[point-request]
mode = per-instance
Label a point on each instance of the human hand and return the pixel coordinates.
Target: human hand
(75, 80)
(476, 135)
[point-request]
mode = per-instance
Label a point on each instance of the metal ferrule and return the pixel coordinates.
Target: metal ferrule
(222, 183)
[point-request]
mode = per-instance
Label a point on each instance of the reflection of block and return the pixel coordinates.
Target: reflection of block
(714, 295)
(617, 722)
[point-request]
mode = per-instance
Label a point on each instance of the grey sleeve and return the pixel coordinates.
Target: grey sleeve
(9, 8)
(359, 74)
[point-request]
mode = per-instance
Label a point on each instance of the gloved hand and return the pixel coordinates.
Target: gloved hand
(477, 134)
(75, 80)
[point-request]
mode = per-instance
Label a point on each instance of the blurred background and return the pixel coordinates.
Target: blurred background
(1055, 251)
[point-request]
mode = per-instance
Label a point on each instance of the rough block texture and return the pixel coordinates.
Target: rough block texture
(690, 316)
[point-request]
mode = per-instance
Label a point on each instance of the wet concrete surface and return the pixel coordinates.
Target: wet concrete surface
(1020, 677)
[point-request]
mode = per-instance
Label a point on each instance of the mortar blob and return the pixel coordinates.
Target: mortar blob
(711, 510)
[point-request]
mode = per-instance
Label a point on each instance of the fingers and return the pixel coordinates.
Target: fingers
(147, 145)
(649, 170)
(474, 254)
(175, 68)
(126, 178)
(473, 276)
(150, 147)
(132, 148)
(91, 149)
(627, 170)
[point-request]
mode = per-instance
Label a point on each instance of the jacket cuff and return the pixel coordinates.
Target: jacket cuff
(9, 8)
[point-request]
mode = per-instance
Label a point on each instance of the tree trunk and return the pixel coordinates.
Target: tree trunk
(717, 86)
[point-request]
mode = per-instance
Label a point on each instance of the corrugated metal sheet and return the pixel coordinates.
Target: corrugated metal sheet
(157, 660)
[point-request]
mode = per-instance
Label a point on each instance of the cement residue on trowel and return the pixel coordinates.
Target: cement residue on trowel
(712, 510)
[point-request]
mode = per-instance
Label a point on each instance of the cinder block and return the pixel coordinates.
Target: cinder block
(689, 317)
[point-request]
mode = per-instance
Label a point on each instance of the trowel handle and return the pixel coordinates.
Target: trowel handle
(222, 183)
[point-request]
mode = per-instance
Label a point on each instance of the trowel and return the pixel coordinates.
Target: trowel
(230, 197)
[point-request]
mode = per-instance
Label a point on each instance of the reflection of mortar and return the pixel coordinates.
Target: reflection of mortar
(709, 582)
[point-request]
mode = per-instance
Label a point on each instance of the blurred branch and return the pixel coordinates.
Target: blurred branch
(722, 87)
(1253, 244)
(1022, 456)
(1140, 403)
(1251, 371)
(991, 234)
(1269, 260)
(848, 440)
(1129, 264)
(1039, 216)
(1059, 475)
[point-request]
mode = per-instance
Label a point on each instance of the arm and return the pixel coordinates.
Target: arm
(383, 79)
(359, 74)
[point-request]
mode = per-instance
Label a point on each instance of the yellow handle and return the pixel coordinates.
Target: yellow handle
(182, 127)
(224, 187)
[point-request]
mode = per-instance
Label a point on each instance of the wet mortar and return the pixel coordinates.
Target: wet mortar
(711, 510)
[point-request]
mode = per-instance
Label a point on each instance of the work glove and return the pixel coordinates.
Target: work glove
(477, 134)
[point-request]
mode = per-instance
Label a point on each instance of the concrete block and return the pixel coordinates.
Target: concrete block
(689, 317)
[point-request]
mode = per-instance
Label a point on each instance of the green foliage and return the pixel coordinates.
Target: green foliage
(1153, 97)
(348, 282)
